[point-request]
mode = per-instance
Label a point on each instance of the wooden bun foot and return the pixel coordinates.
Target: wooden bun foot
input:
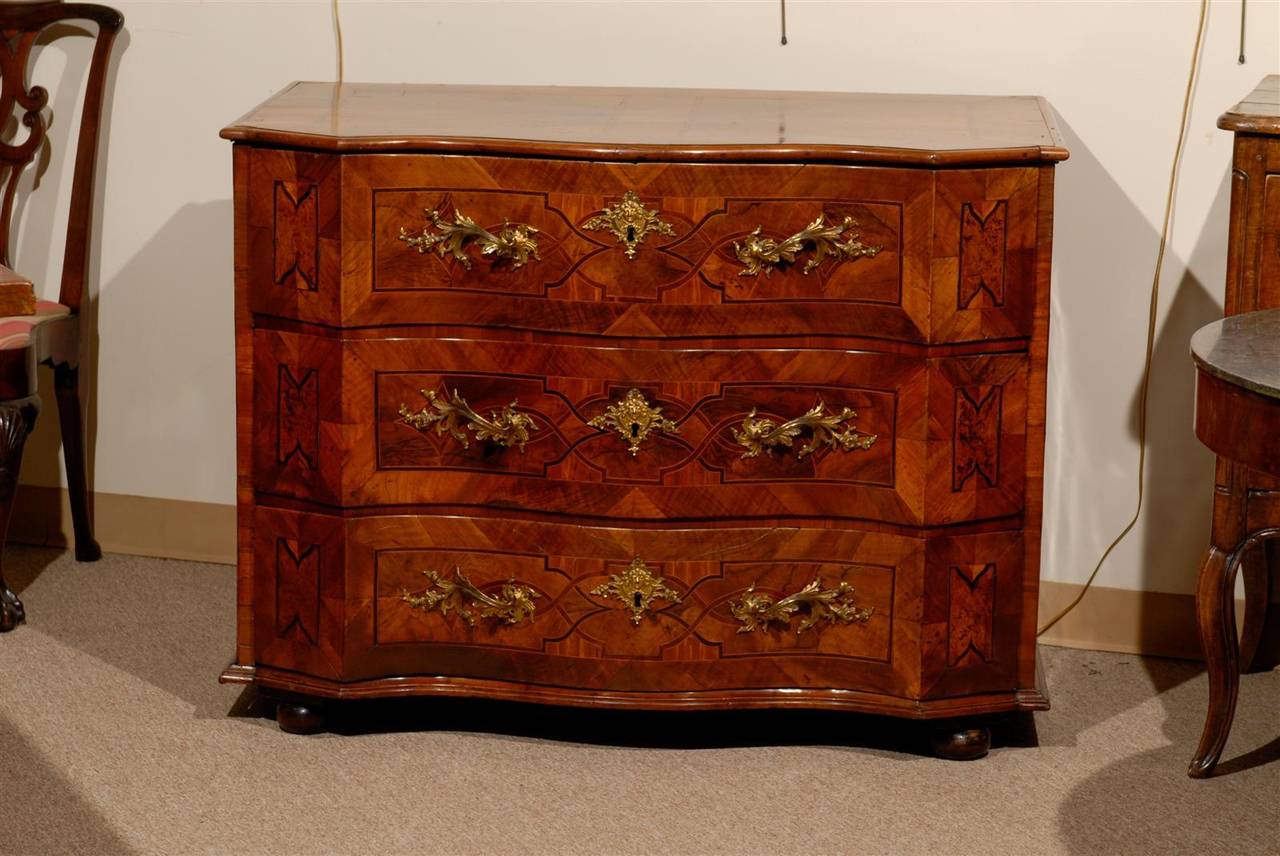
(962, 744)
(297, 718)
(11, 612)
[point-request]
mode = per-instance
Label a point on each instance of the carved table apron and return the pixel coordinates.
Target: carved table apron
(609, 398)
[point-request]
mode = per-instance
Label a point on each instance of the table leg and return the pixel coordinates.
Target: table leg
(1215, 610)
(1260, 630)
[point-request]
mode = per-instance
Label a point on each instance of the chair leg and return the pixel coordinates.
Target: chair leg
(71, 420)
(16, 421)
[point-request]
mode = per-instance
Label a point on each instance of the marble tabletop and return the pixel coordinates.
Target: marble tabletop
(1243, 350)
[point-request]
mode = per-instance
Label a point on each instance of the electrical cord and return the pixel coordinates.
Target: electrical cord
(1145, 388)
(337, 38)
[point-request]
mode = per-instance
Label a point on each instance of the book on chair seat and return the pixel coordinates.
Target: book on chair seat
(17, 294)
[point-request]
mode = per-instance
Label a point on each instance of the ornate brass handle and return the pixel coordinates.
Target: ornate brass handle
(507, 427)
(633, 418)
(758, 253)
(460, 595)
(756, 610)
(514, 242)
(760, 434)
(637, 587)
(630, 222)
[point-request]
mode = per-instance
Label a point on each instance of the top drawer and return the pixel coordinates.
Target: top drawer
(661, 251)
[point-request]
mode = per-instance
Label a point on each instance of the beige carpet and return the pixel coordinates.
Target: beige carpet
(116, 738)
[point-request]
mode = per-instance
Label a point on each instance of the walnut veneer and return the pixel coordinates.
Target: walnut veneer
(645, 398)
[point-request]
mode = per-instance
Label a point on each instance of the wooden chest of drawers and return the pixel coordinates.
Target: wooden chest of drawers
(647, 398)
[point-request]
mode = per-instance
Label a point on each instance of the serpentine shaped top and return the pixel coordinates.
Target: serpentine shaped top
(587, 122)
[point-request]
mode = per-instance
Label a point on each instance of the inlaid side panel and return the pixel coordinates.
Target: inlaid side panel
(978, 444)
(299, 601)
(297, 566)
(293, 229)
(984, 234)
(984, 254)
(297, 406)
(973, 611)
(632, 610)
(296, 234)
(977, 435)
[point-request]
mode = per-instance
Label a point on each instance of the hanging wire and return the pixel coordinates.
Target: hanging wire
(337, 38)
(1243, 4)
(1152, 309)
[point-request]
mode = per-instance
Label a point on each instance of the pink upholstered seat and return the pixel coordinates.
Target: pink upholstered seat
(15, 330)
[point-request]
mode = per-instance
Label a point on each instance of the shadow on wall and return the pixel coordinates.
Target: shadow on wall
(1180, 470)
(1105, 254)
(176, 284)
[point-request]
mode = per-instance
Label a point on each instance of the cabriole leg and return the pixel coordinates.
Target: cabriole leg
(16, 421)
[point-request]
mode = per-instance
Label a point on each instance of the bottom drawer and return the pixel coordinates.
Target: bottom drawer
(625, 610)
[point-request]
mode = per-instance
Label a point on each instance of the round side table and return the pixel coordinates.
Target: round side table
(1238, 417)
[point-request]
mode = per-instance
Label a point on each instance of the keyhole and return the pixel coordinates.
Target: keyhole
(635, 430)
(635, 598)
(631, 234)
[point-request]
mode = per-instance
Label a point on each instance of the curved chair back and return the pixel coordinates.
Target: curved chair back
(20, 26)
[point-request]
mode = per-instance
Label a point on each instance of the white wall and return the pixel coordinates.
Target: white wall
(1115, 72)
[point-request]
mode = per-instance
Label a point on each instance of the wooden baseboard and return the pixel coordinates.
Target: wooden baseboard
(1108, 619)
(137, 525)
(1123, 620)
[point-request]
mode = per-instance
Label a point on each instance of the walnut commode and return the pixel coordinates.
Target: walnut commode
(663, 399)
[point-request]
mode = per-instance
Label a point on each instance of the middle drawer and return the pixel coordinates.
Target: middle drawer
(639, 434)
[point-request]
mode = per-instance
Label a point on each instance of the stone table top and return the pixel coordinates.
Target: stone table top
(1243, 350)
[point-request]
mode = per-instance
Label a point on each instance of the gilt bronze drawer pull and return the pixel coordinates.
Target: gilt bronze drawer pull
(630, 222)
(636, 588)
(760, 434)
(836, 605)
(460, 595)
(514, 242)
(508, 427)
(633, 418)
(758, 253)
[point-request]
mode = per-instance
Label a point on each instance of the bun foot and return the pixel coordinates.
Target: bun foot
(296, 718)
(11, 612)
(88, 550)
(962, 744)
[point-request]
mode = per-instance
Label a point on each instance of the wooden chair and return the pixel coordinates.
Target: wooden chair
(50, 336)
